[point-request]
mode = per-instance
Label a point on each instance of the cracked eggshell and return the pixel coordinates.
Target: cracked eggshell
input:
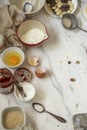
(40, 72)
(33, 61)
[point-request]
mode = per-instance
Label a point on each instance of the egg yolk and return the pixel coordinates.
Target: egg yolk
(14, 60)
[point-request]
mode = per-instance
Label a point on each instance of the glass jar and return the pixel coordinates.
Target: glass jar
(6, 81)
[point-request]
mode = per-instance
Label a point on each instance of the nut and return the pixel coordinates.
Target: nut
(40, 72)
(65, 7)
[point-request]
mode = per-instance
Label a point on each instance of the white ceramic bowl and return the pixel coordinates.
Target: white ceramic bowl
(33, 25)
(36, 5)
(17, 53)
(29, 90)
(9, 109)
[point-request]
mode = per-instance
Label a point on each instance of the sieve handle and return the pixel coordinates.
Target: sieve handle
(81, 29)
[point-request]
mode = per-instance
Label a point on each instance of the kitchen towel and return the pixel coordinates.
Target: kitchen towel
(10, 18)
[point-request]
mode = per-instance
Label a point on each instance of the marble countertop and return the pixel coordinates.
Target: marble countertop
(63, 90)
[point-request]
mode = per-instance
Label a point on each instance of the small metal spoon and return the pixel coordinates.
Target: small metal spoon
(40, 109)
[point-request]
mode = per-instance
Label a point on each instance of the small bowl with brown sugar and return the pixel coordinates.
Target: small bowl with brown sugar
(13, 117)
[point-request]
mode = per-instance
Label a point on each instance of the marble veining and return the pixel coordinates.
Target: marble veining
(59, 55)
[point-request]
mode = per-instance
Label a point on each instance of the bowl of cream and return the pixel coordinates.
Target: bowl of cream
(28, 89)
(32, 32)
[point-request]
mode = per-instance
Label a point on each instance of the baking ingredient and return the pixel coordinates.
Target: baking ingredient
(33, 36)
(13, 118)
(72, 79)
(22, 74)
(67, 22)
(12, 58)
(40, 72)
(77, 62)
(29, 90)
(33, 61)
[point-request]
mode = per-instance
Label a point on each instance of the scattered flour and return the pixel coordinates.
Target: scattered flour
(33, 36)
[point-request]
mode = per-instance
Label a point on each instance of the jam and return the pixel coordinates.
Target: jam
(22, 74)
(6, 81)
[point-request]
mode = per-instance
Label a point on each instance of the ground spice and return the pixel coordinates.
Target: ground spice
(12, 119)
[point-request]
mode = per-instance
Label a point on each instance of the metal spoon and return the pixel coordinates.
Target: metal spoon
(40, 109)
(20, 89)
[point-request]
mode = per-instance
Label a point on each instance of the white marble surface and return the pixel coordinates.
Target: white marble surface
(58, 94)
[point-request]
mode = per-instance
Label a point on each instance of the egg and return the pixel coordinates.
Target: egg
(12, 58)
(33, 61)
(40, 72)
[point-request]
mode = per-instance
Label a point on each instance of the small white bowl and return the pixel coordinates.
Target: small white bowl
(17, 51)
(9, 109)
(37, 5)
(29, 90)
(34, 25)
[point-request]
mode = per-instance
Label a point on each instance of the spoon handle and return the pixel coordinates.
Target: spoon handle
(81, 29)
(61, 119)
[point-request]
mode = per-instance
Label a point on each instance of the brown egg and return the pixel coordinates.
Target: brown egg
(40, 72)
(33, 61)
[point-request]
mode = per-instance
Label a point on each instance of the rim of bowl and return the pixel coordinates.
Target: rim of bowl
(24, 100)
(35, 11)
(24, 43)
(13, 108)
(8, 49)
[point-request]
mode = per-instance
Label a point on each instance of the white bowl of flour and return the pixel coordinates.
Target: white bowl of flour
(28, 89)
(32, 32)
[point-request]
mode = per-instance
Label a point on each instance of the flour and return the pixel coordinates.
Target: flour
(33, 36)
(29, 90)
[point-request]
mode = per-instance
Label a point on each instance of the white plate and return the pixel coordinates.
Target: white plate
(51, 13)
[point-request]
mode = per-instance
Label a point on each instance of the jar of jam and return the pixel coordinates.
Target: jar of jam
(6, 81)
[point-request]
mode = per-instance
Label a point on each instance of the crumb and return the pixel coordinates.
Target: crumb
(72, 89)
(61, 61)
(73, 79)
(77, 104)
(77, 62)
(69, 62)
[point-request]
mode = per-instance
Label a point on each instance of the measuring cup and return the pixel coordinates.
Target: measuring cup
(69, 21)
(40, 109)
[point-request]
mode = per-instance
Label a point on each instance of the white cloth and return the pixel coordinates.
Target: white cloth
(4, 2)
(10, 17)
